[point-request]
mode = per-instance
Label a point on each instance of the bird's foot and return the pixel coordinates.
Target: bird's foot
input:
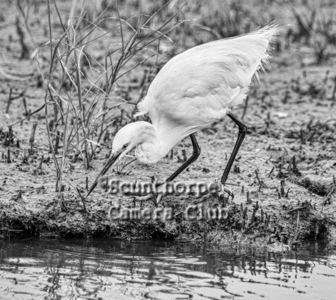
(155, 198)
(222, 190)
(158, 190)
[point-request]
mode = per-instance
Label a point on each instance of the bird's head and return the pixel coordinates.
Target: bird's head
(127, 138)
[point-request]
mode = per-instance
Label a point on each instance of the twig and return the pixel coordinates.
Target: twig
(9, 100)
(32, 136)
(260, 182)
(24, 47)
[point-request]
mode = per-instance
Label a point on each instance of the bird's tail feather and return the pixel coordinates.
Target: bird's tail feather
(270, 33)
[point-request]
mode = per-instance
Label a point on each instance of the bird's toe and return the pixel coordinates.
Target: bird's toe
(224, 190)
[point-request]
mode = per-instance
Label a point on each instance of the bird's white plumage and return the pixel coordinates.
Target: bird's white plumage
(219, 71)
(200, 85)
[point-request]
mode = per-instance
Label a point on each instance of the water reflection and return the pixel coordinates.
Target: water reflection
(105, 269)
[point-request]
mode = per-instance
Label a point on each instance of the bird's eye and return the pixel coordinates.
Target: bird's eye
(125, 146)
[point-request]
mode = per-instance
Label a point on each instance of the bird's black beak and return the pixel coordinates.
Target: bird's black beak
(108, 165)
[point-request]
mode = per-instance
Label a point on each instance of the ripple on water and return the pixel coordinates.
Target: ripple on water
(120, 270)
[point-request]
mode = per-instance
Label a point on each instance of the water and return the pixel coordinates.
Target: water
(105, 269)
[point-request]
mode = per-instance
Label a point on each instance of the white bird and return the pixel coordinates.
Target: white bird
(193, 90)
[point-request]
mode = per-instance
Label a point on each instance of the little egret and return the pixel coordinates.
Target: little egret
(193, 90)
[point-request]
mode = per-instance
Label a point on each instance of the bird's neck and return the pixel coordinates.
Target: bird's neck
(155, 144)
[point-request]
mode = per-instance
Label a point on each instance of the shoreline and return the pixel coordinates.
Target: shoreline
(246, 223)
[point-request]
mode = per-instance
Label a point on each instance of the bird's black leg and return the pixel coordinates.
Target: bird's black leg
(195, 155)
(241, 136)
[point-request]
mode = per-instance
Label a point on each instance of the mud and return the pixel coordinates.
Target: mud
(283, 180)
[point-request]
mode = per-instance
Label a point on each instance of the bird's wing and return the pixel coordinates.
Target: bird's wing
(211, 77)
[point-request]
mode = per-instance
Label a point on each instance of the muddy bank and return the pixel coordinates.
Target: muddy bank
(280, 206)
